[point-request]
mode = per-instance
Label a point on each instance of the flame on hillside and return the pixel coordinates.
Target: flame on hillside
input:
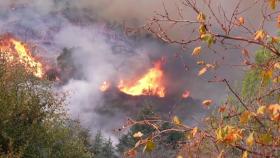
(16, 50)
(150, 83)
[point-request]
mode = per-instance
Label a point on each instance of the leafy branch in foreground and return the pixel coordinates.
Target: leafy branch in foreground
(247, 124)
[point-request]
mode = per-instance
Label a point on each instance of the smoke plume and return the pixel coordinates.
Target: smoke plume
(100, 51)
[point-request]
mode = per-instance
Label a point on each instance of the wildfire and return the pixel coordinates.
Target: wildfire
(104, 86)
(150, 83)
(17, 50)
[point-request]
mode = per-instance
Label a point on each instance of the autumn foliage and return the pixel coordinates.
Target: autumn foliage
(247, 124)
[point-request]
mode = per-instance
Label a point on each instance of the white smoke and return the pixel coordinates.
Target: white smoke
(43, 23)
(46, 23)
(97, 63)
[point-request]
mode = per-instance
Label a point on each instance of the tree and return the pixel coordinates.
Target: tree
(103, 147)
(108, 149)
(247, 124)
(33, 122)
(98, 144)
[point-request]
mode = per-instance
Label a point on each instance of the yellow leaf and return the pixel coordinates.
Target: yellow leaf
(138, 135)
(194, 131)
(200, 62)
(276, 39)
(208, 38)
(176, 120)
(180, 156)
(250, 139)
(261, 110)
(274, 110)
(202, 30)
(207, 102)
(245, 116)
(277, 65)
(228, 134)
(196, 51)
(241, 21)
(245, 154)
(233, 136)
(204, 36)
(260, 35)
(272, 4)
(266, 76)
(149, 147)
(201, 17)
(219, 134)
(210, 66)
(202, 71)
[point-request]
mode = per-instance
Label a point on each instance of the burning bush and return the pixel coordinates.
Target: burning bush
(15, 50)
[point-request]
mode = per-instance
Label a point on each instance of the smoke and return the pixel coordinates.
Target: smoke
(97, 61)
(101, 51)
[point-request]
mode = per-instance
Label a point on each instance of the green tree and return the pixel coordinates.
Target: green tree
(98, 145)
(102, 147)
(108, 149)
(33, 122)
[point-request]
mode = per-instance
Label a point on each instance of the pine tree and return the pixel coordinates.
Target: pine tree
(108, 149)
(98, 144)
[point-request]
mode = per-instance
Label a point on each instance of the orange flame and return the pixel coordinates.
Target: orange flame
(17, 50)
(150, 83)
(104, 86)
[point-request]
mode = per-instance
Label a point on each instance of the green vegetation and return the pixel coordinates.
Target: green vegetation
(33, 122)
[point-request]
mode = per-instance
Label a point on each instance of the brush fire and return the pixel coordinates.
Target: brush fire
(16, 50)
(150, 83)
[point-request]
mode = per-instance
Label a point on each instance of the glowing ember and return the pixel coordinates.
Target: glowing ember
(150, 83)
(104, 86)
(186, 94)
(17, 50)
